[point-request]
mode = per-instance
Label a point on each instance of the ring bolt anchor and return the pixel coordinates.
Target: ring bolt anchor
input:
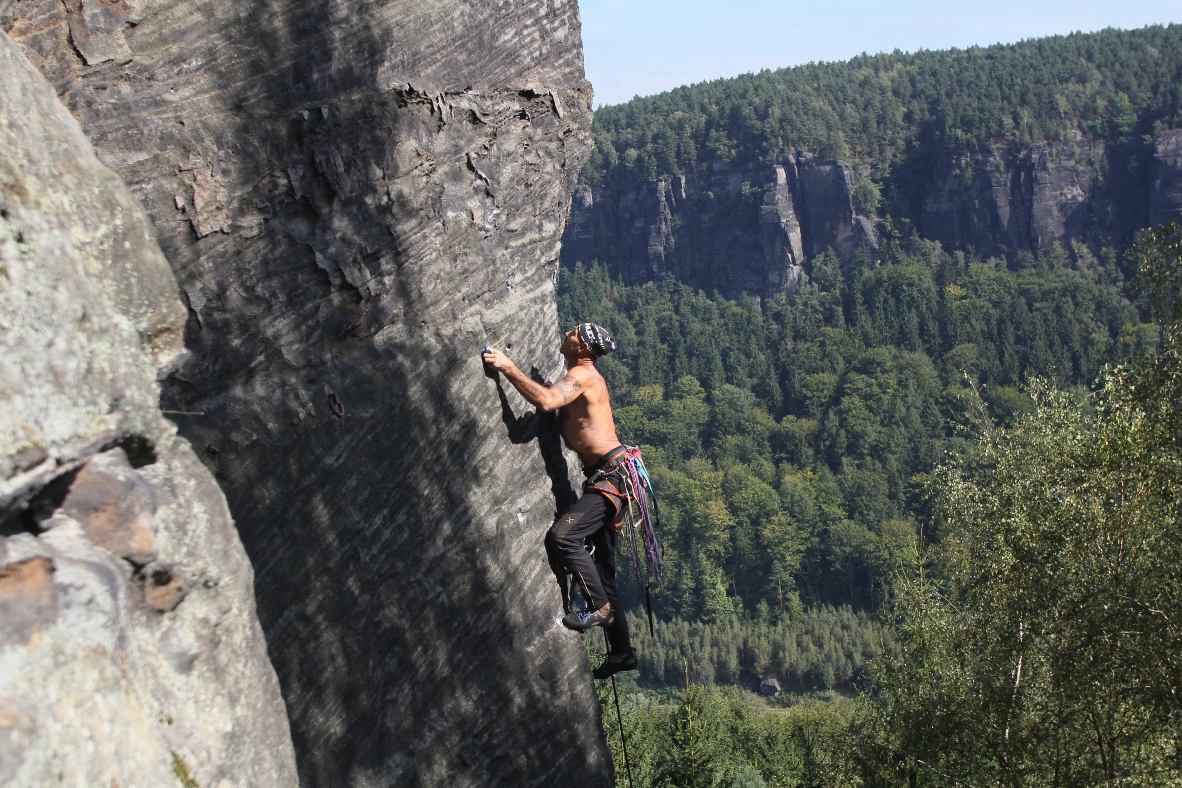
(337, 407)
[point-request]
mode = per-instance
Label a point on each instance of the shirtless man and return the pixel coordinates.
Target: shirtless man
(589, 429)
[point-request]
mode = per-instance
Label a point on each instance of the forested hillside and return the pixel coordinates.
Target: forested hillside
(1020, 541)
(892, 109)
(1063, 146)
(792, 447)
(870, 317)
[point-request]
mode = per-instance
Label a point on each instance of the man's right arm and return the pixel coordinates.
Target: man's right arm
(545, 397)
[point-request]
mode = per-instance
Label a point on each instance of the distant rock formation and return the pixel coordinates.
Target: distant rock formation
(355, 199)
(826, 191)
(130, 653)
(780, 238)
(748, 230)
(1165, 201)
(1002, 201)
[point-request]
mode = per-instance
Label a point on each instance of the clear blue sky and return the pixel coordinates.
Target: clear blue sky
(642, 47)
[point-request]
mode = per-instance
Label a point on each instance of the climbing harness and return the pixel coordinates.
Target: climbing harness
(624, 478)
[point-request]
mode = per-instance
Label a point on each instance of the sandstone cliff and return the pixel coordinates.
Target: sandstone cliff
(1165, 200)
(1002, 201)
(130, 653)
(355, 199)
(739, 230)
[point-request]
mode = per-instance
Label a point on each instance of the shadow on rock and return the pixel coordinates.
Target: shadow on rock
(547, 429)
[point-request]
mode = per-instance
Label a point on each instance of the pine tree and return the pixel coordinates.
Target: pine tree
(699, 741)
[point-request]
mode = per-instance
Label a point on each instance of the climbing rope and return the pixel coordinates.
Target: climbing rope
(643, 515)
(644, 519)
(619, 717)
(636, 493)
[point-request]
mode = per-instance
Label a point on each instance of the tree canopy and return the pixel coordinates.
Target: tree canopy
(882, 108)
(791, 444)
(1029, 578)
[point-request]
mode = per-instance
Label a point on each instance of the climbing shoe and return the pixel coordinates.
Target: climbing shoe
(613, 664)
(580, 620)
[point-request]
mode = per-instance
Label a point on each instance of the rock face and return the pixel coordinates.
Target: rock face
(1165, 202)
(780, 237)
(130, 653)
(746, 230)
(826, 192)
(1002, 201)
(356, 198)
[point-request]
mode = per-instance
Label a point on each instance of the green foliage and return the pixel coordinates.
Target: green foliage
(887, 108)
(703, 736)
(1043, 647)
(1159, 272)
(700, 744)
(797, 449)
(790, 444)
(817, 649)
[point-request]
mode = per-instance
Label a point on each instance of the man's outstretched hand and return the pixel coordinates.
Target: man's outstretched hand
(537, 394)
(495, 359)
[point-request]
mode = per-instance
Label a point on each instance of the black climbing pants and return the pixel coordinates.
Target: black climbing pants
(582, 544)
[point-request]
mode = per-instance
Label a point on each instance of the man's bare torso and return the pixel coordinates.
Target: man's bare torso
(587, 421)
(586, 411)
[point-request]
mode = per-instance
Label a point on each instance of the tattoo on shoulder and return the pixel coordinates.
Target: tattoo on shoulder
(567, 387)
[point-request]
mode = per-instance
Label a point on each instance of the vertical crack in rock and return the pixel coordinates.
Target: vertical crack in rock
(345, 192)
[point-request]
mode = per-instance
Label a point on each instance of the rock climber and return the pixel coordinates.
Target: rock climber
(594, 521)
